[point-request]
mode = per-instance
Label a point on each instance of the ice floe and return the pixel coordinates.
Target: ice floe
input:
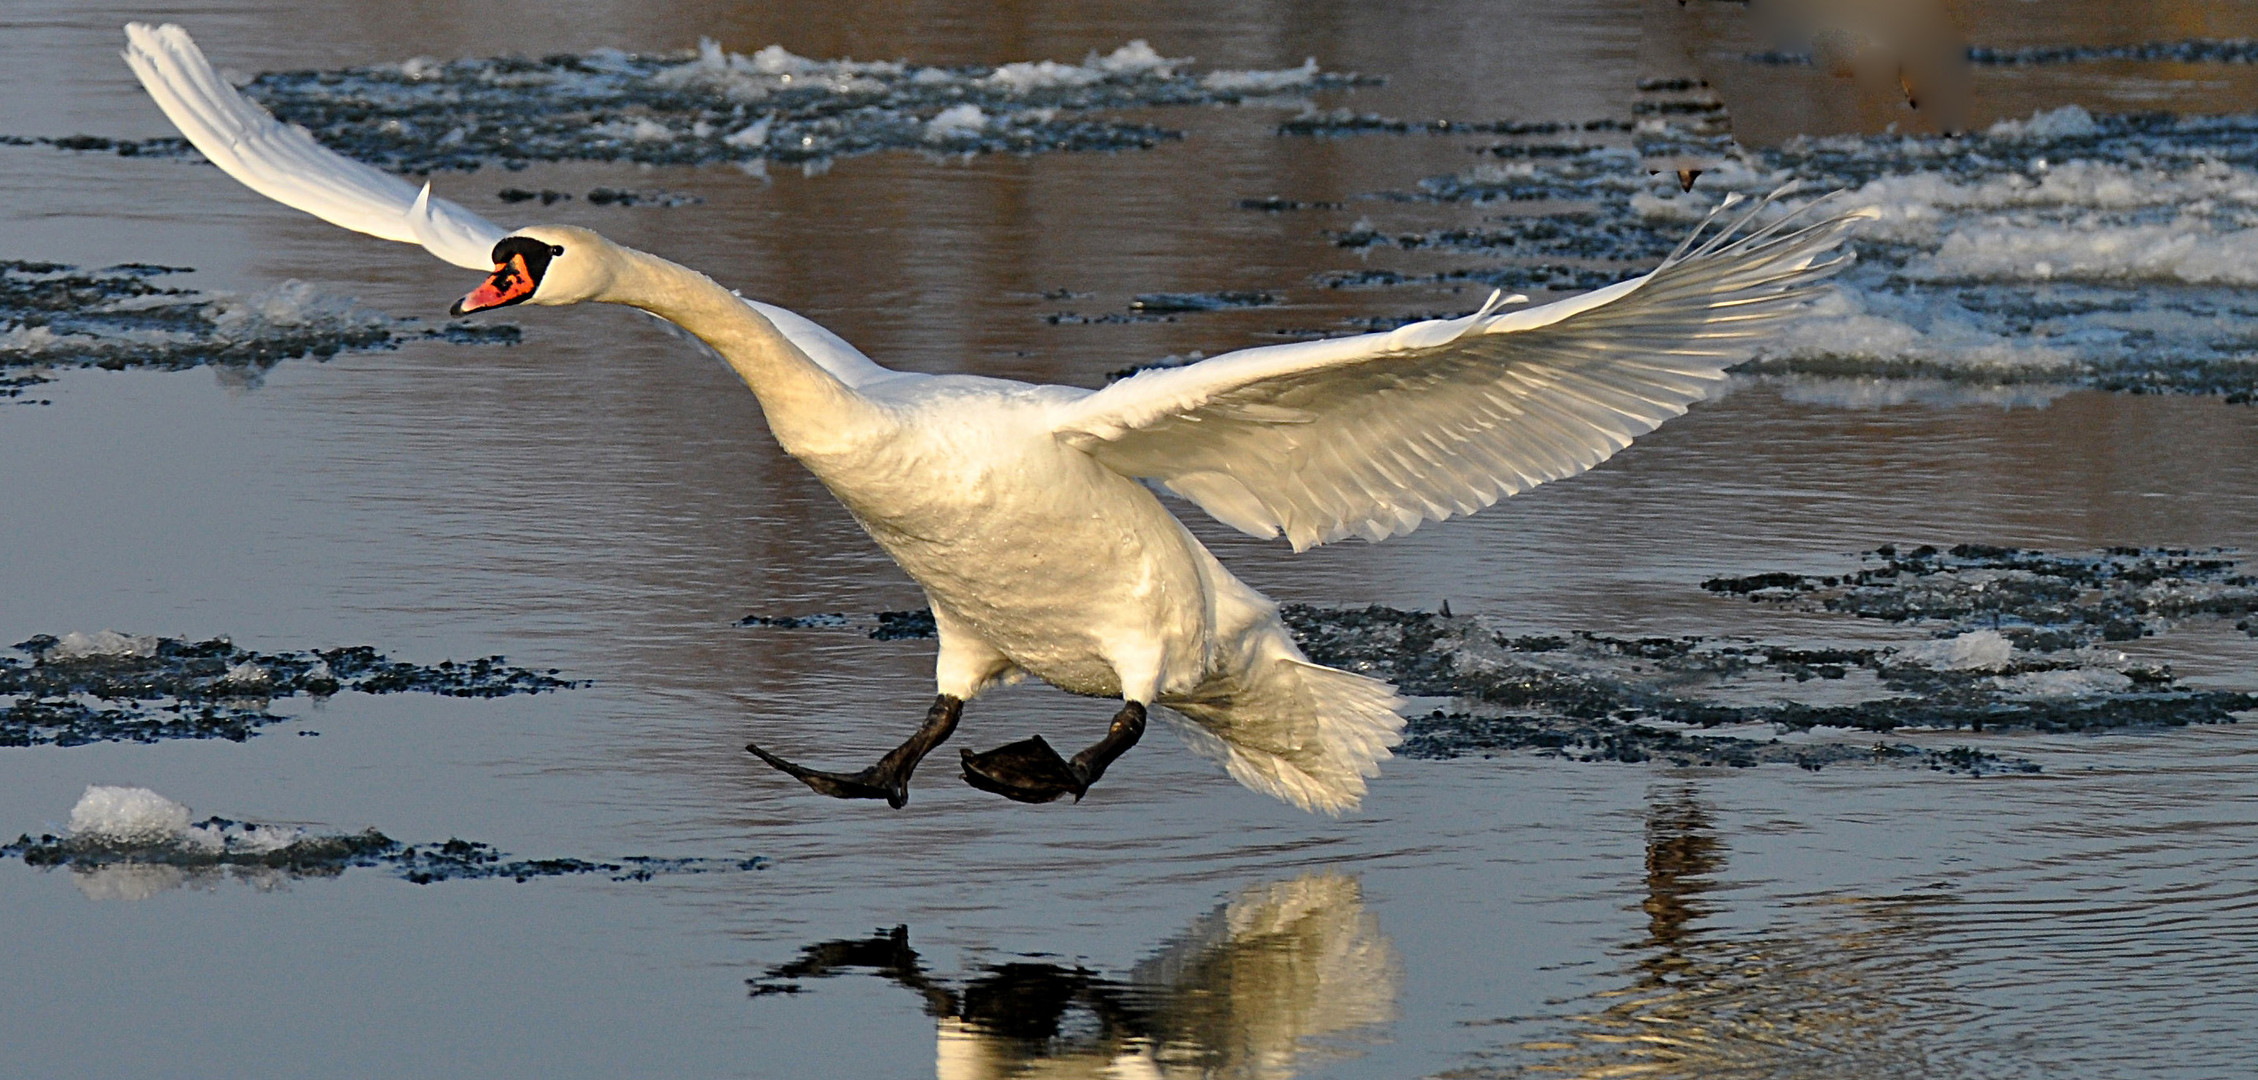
(1976, 650)
(127, 815)
(124, 316)
(101, 644)
(131, 843)
(2063, 250)
(110, 687)
(713, 105)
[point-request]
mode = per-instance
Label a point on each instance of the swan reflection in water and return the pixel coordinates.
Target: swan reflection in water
(1283, 977)
(1834, 996)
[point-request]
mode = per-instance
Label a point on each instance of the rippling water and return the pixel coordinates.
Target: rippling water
(601, 500)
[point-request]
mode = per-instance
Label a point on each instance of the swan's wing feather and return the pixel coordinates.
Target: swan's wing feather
(444, 229)
(284, 163)
(1374, 435)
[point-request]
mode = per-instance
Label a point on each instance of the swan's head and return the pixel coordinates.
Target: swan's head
(544, 264)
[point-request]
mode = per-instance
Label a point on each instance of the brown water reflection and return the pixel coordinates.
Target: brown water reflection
(1847, 997)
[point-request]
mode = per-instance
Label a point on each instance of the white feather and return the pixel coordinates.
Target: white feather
(284, 163)
(1375, 435)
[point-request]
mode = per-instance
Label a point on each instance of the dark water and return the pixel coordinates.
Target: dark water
(602, 501)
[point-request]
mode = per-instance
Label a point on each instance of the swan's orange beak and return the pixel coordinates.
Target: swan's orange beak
(512, 283)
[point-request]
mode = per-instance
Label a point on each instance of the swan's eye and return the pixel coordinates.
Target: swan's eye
(556, 249)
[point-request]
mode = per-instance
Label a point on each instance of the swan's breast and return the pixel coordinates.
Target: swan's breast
(1053, 559)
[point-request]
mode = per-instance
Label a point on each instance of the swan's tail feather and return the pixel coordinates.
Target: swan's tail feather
(1302, 733)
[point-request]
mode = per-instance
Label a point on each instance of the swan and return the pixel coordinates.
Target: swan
(1027, 512)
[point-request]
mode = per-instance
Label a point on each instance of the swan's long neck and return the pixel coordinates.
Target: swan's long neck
(807, 407)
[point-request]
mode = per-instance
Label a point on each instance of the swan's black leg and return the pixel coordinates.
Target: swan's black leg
(1031, 772)
(889, 778)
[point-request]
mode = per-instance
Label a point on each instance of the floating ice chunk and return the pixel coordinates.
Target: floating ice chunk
(2067, 122)
(648, 130)
(1029, 76)
(1850, 324)
(710, 55)
(292, 303)
(1674, 208)
(1976, 650)
(78, 645)
(248, 675)
(753, 135)
(778, 60)
(2186, 250)
(29, 340)
(957, 121)
(422, 67)
(1881, 393)
(1262, 82)
(129, 815)
(1136, 58)
(242, 837)
(2070, 683)
(608, 59)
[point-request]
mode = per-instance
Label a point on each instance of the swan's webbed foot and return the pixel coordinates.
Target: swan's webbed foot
(1029, 771)
(889, 778)
(867, 784)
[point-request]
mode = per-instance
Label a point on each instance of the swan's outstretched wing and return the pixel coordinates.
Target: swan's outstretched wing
(1374, 435)
(284, 163)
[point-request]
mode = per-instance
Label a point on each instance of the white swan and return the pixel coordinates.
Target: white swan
(1022, 510)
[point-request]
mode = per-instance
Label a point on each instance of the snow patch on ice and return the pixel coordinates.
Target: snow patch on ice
(1976, 650)
(248, 675)
(1870, 393)
(1137, 59)
(2066, 683)
(2188, 249)
(752, 136)
(2067, 122)
(956, 122)
(1263, 82)
(1855, 324)
(131, 815)
(422, 67)
(293, 303)
(1675, 208)
(707, 106)
(79, 645)
(139, 817)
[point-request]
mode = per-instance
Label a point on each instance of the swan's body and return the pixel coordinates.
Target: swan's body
(1023, 511)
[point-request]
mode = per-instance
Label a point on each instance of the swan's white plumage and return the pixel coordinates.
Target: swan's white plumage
(1375, 435)
(284, 163)
(1016, 506)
